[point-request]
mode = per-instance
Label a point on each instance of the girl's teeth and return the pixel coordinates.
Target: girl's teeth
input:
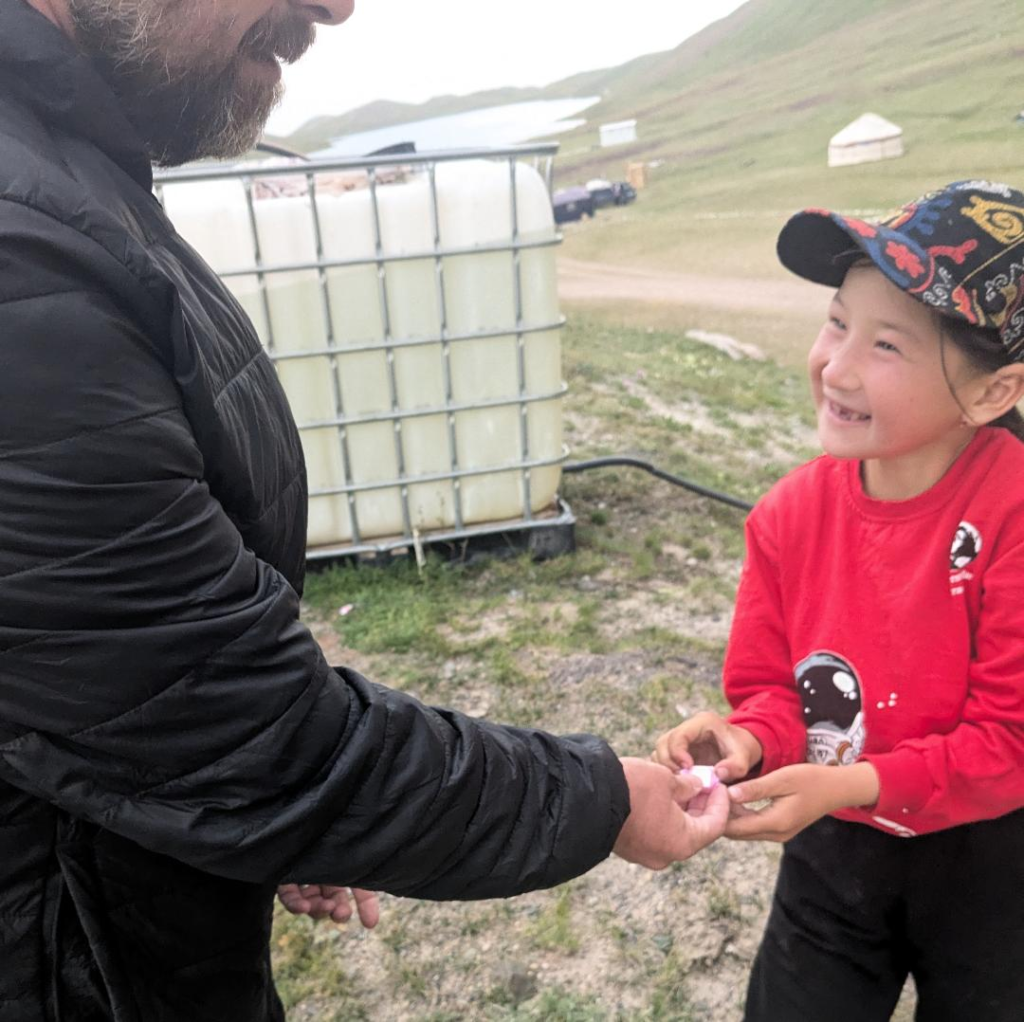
(849, 416)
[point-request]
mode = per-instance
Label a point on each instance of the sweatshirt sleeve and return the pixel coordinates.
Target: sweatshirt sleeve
(976, 771)
(155, 678)
(758, 673)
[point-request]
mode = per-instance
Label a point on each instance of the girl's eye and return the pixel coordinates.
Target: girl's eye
(887, 346)
(836, 322)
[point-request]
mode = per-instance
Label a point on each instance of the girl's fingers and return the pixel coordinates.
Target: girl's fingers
(732, 768)
(756, 827)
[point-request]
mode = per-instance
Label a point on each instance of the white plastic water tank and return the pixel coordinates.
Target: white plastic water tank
(399, 420)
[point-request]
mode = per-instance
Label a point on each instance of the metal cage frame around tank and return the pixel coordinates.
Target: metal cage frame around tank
(543, 156)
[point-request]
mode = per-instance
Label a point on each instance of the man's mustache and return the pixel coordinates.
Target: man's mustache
(286, 39)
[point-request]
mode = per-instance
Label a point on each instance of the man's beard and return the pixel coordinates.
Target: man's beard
(185, 98)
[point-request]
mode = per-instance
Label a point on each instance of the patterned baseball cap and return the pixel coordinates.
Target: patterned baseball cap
(959, 250)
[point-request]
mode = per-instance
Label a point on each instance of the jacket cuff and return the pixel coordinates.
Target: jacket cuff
(595, 806)
(905, 784)
(618, 800)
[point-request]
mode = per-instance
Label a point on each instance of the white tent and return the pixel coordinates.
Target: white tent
(868, 138)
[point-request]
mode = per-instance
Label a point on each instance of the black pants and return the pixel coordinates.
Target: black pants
(856, 910)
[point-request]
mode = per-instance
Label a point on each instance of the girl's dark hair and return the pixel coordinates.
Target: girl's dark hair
(983, 349)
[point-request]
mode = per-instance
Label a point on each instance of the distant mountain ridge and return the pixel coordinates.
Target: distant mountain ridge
(318, 132)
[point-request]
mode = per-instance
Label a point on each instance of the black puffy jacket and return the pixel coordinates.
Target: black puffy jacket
(172, 743)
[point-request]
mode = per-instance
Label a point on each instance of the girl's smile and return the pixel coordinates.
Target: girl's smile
(846, 415)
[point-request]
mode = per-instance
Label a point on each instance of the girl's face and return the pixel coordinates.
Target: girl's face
(881, 394)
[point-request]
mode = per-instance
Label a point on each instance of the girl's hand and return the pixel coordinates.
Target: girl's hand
(799, 795)
(709, 740)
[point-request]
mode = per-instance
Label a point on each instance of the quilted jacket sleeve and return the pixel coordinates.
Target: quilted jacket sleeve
(155, 678)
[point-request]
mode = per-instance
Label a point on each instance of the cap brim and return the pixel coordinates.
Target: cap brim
(819, 246)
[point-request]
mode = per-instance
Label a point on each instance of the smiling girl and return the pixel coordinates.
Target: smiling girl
(876, 662)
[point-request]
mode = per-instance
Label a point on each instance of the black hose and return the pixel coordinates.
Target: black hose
(583, 466)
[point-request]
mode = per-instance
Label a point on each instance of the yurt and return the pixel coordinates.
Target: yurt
(866, 139)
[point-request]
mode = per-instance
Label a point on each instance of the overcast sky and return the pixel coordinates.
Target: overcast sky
(412, 50)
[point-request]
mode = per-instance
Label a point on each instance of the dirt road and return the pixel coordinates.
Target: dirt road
(604, 282)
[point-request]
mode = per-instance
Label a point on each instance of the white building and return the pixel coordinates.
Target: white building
(866, 139)
(618, 133)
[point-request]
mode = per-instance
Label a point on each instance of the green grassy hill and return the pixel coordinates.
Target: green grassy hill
(741, 115)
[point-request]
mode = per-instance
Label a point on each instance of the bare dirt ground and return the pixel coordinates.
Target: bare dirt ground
(605, 282)
(596, 950)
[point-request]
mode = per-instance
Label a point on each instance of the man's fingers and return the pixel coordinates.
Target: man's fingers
(716, 809)
(687, 787)
(341, 910)
(708, 824)
(368, 905)
(323, 901)
(336, 903)
(699, 802)
(291, 896)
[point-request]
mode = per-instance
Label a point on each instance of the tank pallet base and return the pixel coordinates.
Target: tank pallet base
(549, 534)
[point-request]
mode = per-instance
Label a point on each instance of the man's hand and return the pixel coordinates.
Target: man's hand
(320, 901)
(670, 817)
(709, 740)
(799, 795)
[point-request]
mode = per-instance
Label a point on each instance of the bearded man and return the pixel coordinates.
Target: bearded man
(172, 743)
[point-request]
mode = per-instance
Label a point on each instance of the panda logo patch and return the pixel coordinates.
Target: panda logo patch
(966, 546)
(832, 708)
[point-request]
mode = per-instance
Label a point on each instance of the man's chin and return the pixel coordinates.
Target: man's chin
(220, 130)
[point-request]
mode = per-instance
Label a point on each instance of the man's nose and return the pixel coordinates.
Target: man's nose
(326, 12)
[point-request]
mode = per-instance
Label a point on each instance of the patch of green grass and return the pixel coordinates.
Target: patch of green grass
(700, 550)
(396, 936)
(553, 929)
(560, 1005)
(505, 672)
(723, 902)
(306, 967)
(670, 997)
(395, 607)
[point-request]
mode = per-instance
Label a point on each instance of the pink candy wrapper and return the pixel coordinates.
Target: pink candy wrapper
(705, 774)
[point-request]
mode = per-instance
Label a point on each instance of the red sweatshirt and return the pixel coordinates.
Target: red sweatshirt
(892, 632)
